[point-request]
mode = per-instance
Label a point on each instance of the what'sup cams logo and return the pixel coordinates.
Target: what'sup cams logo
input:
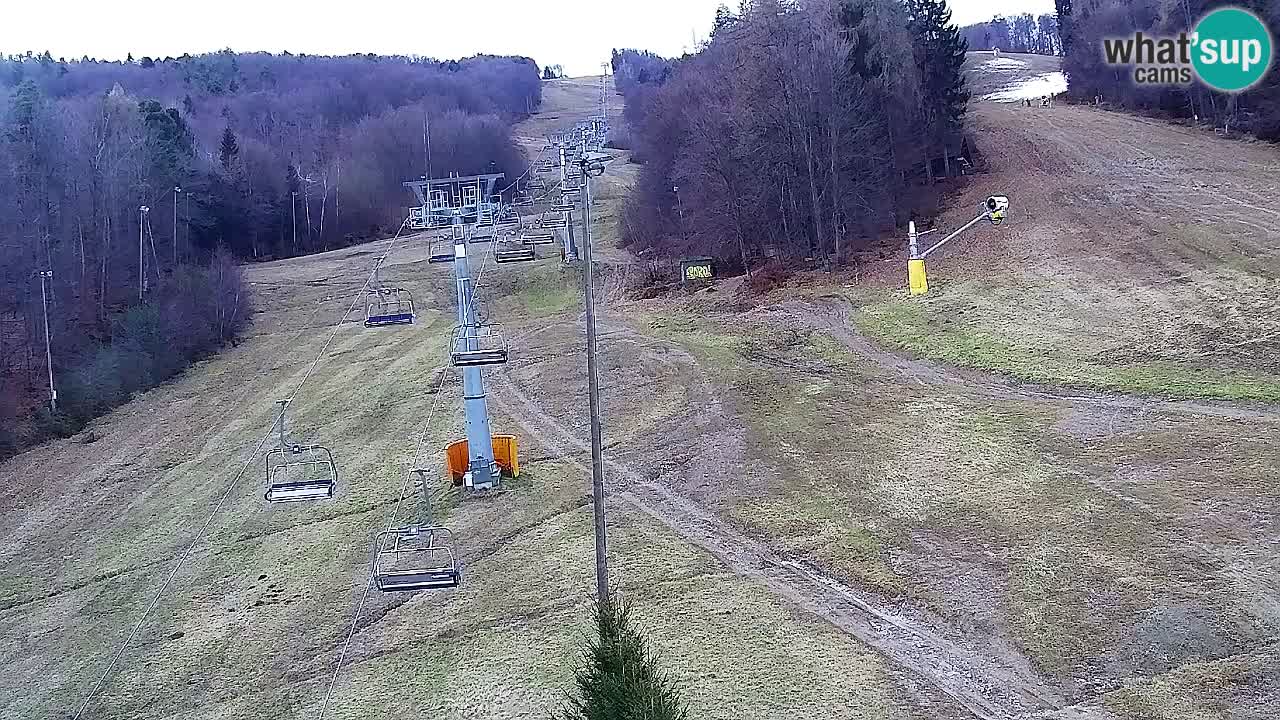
(1230, 49)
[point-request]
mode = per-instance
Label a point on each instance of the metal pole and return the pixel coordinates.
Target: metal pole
(142, 274)
(176, 192)
(283, 405)
(570, 243)
(483, 469)
(593, 386)
(953, 235)
(680, 205)
(294, 207)
(48, 347)
(424, 498)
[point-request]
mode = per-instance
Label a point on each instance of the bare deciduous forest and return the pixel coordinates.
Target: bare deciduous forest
(1025, 33)
(1086, 22)
(799, 130)
(235, 157)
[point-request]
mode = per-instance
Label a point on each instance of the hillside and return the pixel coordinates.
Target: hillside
(828, 501)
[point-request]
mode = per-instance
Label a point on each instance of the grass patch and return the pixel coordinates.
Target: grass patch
(546, 290)
(939, 330)
(877, 481)
(1196, 691)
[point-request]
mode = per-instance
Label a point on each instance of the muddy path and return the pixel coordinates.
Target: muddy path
(978, 674)
(831, 315)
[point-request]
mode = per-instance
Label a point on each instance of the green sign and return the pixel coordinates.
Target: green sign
(697, 270)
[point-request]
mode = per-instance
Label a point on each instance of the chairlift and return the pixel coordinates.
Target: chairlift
(418, 556)
(296, 473)
(514, 254)
(538, 238)
(439, 256)
(386, 305)
(478, 345)
(562, 206)
(553, 222)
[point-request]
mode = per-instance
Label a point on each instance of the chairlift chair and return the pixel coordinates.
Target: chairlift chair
(478, 345)
(416, 558)
(562, 206)
(538, 238)
(553, 222)
(509, 254)
(388, 306)
(297, 473)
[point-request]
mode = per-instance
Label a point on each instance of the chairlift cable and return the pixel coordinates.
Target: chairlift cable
(355, 301)
(172, 574)
(226, 495)
(395, 512)
(515, 182)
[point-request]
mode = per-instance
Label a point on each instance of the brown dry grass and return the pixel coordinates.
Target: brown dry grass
(1138, 256)
(252, 624)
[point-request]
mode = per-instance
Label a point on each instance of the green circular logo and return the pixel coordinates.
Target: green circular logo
(1231, 49)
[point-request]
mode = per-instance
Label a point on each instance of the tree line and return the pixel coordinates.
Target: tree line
(1085, 23)
(233, 156)
(1023, 33)
(801, 129)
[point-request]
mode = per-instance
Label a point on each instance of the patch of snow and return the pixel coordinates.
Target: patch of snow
(1053, 83)
(1003, 64)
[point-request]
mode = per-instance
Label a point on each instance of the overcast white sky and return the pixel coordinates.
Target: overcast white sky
(575, 33)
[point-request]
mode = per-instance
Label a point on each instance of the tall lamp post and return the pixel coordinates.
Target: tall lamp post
(142, 258)
(177, 192)
(47, 275)
(680, 207)
(592, 165)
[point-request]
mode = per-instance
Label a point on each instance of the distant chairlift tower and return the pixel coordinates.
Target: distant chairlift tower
(479, 461)
(466, 351)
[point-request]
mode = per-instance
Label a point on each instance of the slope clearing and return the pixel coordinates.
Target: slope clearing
(829, 501)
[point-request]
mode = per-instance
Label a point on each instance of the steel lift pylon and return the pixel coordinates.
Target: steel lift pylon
(482, 470)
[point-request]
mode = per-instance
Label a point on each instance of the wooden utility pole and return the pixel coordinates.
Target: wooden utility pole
(592, 166)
